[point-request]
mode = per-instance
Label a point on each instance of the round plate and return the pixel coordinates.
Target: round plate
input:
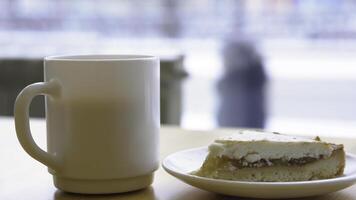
(180, 165)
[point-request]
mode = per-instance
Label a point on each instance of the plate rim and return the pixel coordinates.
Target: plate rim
(345, 178)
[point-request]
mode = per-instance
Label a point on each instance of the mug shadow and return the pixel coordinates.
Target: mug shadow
(147, 193)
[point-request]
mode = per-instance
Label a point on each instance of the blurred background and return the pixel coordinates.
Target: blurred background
(283, 65)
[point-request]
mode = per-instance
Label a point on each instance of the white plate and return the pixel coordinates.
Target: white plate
(180, 164)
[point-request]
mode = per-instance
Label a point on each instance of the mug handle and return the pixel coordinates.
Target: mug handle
(22, 123)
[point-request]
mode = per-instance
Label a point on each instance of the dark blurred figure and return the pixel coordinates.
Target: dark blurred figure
(242, 87)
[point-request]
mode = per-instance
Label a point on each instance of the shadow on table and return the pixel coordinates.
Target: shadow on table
(146, 194)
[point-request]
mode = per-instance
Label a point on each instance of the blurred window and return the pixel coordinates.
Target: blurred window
(308, 47)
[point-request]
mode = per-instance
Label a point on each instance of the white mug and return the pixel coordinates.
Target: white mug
(102, 114)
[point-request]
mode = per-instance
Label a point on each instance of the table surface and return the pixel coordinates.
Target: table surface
(23, 178)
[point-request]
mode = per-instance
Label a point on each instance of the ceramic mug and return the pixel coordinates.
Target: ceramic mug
(102, 115)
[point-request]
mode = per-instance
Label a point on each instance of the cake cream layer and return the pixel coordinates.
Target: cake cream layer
(254, 146)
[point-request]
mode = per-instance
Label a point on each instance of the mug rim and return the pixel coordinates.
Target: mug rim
(100, 57)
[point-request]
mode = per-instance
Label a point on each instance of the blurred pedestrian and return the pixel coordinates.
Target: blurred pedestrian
(242, 86)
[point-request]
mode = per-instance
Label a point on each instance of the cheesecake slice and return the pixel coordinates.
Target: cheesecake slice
(269, 157)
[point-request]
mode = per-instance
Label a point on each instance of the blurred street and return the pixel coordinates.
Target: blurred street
(310, 87)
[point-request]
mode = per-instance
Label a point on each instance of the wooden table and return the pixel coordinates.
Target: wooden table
(23, 178)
